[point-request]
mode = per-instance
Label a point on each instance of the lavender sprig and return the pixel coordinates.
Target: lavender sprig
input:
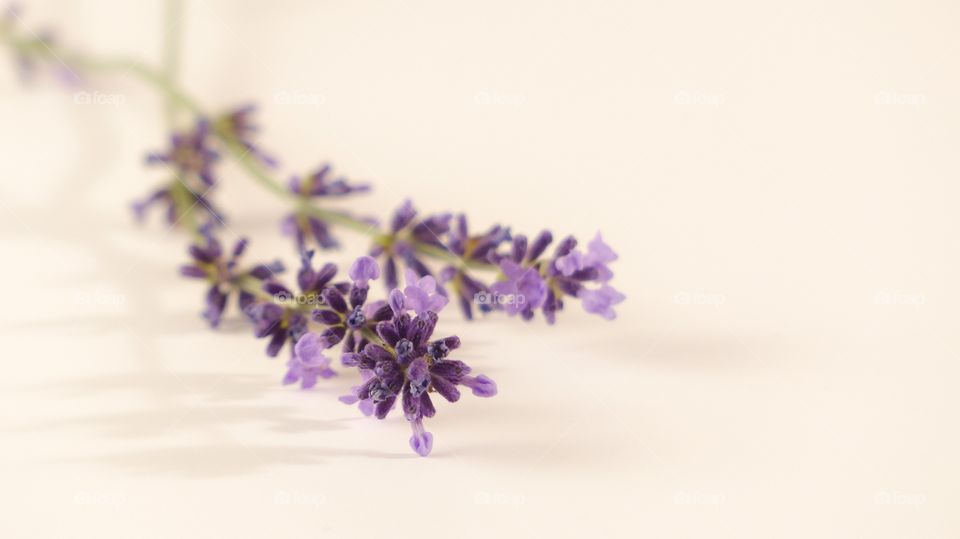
(389, 341)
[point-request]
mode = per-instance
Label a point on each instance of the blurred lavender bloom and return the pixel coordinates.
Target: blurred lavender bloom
(238, 126)
(307, 228)
(34, 48)
(530, 282)
(477, 249)
(398, 245)
(177, 201)
(601, 301)
(284, 316)
(212, 264)
(191, 156)
(598, 255)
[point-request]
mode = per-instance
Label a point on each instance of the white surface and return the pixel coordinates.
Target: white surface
(784, 365)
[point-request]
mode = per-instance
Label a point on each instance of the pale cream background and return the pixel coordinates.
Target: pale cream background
(779, 178)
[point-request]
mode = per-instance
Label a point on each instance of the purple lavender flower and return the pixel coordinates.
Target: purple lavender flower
(363, 270)
(401, 241)
(220, 270)
(191, 159)
(598, 255)
(365, 405)
(305, 227)
(530, 282)
(472, 251)
(421, 295)
(31, 48)
(521, 292)
(238, 126)
(307, 362)
(191, 156)
(284, 315)
(348, 318)
(407, 366)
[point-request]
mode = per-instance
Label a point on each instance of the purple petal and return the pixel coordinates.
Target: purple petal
(363, 270)
(481, 385)
(421, 441)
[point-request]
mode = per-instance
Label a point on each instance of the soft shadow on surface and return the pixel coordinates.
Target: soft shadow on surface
(227, 460)
(206, 386)
(179, 324)
(203, 419)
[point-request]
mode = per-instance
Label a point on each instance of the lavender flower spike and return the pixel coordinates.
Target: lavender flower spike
(601, 301)
(543, 283)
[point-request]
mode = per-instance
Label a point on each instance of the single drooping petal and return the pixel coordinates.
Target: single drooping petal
(397, 302)
(421, 441)
(216, 303)
(570, 263)
(481, 385)
(308, 362)
(365, 405)
(601, 301)
(363, 270)
(599, 252)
